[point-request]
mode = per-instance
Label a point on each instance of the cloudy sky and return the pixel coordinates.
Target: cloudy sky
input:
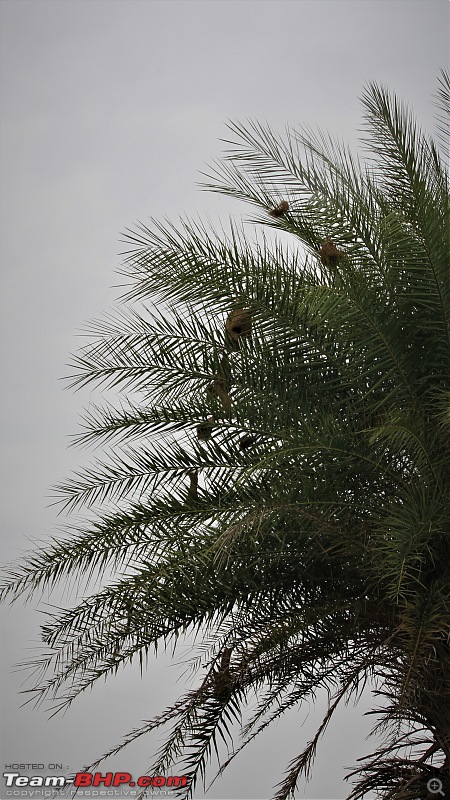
(110, 109)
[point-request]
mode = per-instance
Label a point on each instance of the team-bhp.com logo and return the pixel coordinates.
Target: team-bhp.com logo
(124, 778)
(95, 779)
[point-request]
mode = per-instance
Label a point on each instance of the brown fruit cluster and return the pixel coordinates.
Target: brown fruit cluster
(280, 209)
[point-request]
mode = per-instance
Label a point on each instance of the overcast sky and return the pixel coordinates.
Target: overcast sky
(109, 111)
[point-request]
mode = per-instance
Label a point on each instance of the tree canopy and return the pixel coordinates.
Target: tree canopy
(276, 472)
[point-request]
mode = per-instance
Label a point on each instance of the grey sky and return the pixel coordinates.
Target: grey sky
(109, 111)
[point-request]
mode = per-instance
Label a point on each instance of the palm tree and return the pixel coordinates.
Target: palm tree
(277, 474)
